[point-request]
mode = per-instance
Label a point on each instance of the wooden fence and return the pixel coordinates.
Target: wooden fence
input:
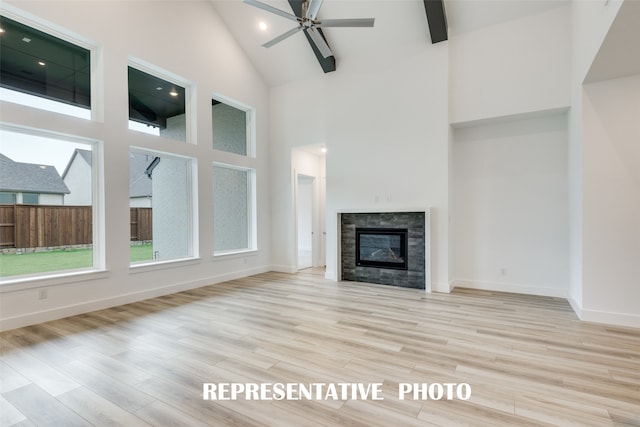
(37, 226)
(141, 224)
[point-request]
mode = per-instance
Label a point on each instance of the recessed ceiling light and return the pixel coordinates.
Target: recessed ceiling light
(262, 25)
(1, 30)
(159, 88)
(173, 93)
(26, 39)
(41, 63)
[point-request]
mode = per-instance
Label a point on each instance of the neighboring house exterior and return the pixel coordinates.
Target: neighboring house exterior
(77, 177)
(28, 183)
(79, 168)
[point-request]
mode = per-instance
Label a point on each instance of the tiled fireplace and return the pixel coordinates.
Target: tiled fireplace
(388, 248)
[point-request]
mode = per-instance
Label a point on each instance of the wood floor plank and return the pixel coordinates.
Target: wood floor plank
(528, 359)
(97, 410)
(9, 415)
(43, 409)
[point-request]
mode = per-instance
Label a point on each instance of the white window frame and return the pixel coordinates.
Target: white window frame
(189, 94)
(193, 233)
(250, 124)
(96, 111)
(252, 219)
(13, 283)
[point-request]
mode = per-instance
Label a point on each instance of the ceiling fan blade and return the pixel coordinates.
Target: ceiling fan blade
(283, 36)
(271, 9)
(314, 7)
(358, 22)
(318, 40)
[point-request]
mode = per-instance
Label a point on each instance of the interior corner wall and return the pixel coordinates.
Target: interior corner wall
(200, 49)
(611, 201)
(510, 206)
(515, 67)
(590, 23)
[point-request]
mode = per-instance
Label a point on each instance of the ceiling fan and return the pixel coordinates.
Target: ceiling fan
(309, 24)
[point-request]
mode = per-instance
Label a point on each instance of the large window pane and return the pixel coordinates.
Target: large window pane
(43, 71)
(229, 128)
(160, 206)
(49, 225)
(232, 202)
(156, 105)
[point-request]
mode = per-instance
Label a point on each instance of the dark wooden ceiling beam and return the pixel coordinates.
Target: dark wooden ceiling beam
(437, 19)
(327, 64)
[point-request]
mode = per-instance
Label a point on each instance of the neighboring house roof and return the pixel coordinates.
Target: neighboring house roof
(139, 182)
(30, 178)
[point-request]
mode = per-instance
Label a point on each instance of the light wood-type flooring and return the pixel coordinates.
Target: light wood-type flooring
(529, 360)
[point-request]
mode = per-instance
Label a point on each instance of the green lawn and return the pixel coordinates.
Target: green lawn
(40, 262)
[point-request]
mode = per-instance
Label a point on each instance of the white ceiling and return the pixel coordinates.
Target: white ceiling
(399, 23)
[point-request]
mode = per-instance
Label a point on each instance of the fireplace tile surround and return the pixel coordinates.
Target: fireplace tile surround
(417, 274)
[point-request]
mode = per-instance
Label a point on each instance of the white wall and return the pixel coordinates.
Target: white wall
(590, 22)
(611, 201)
(387, 136)
(510, 205)
(294, 122)
(385, 127)
(514, 67)
(199, 37)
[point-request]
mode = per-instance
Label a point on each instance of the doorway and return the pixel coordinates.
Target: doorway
(305, 220)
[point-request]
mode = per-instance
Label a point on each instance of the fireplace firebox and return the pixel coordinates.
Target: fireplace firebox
(381, 248)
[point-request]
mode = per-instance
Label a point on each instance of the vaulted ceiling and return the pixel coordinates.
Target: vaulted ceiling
(399, 25)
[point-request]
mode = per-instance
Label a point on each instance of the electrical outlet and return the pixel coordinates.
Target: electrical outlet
(42, 293)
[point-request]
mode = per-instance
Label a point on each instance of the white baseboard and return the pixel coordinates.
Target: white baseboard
(617, 319)
(89, 306)
(291, 269)
(576, 306)
(510, 287)
(331, 275)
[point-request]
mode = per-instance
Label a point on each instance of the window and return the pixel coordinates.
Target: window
(157, 106)
(231, 130)
(43, 234)
(30, 198)
(161, 206)
(43, 71)
(7, 198)
(233, 205)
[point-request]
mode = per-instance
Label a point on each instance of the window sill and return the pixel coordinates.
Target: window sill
(234, 254)
(162, 265)
(51, 279)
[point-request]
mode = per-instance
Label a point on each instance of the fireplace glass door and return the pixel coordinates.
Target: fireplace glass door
(381, 248)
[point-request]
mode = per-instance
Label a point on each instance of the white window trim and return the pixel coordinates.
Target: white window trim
(189, 93)
(250, 124)
(252, 220)
(95, 55)
(98, 213)
(194, 241)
